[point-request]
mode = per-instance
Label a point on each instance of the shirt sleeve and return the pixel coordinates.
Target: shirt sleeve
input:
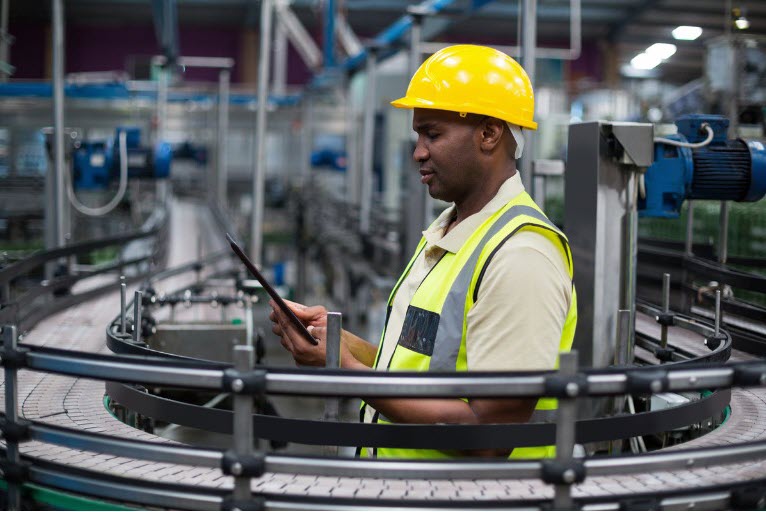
(519, 314)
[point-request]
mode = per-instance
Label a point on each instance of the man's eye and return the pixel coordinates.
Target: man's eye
(432, 135)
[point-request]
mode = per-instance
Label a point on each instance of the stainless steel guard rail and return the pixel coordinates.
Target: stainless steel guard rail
(347, 383)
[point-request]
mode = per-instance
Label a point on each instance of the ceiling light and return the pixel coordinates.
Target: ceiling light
(661, 50)
(742, 23)
(687, 33)
(740, 18)
(645, 61)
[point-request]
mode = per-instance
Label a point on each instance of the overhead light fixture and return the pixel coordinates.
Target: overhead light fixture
(686, 33)
(742, 23)
(740, 18)
(645, 61)
(631, 72)
(661, 50)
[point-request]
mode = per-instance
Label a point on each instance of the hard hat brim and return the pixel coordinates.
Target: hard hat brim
(410, 103)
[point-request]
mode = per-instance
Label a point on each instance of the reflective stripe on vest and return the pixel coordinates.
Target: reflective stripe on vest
(421, 349)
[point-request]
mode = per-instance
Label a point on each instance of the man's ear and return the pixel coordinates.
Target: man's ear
(491, 133)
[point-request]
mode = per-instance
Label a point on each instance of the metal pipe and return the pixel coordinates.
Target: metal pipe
(329, 34)
(665, 308)
(243, 420)
(332, 361)
(415, 59)
(723, 233)
(566, 418)
(11, 414)
(5, 40)
(137, 316)
(279, 80)
(162, 103)
(123, 300)
(368, 144)
(623, 351)
(717, 312)
(528, 61)
(224, 78)
(630, 251)
(259, 170)
(58, 122)
(689, 243)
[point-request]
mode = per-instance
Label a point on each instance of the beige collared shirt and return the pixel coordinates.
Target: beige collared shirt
(523, 300)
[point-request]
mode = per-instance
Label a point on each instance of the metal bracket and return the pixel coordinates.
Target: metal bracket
(245, 383)
(247, 466)
(646, 382)
(554, 472)
(15, 432)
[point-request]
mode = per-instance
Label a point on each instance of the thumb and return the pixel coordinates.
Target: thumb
(319, 333)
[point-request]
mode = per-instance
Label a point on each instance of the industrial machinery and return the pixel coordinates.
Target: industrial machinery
(96, 163)
(700, 162)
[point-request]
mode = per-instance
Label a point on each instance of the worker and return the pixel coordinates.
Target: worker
(490, 285)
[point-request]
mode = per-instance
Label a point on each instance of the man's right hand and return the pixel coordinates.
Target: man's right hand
(315, 320)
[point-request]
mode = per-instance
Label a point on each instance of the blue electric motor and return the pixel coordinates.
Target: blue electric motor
(97, 163)
(731, 170)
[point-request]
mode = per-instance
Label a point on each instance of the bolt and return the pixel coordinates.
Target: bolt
(761, 503)
(237, 385)
(656, 386)
(690, 462)
(572, 389)
(569, 476)
(763, 378)
(692, 380)
(236, 469)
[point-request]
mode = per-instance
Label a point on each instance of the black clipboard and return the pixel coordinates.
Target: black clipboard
(271, 291)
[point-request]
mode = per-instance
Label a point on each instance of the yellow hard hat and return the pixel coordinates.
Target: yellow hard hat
(473, 79)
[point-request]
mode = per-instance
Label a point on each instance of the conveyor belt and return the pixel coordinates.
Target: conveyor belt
(78, 403)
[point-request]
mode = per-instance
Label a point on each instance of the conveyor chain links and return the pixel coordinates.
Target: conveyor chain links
(252, 382)
(15, 432)
(568, 472)
(254, 503)
(566, 386)
(13, 358)
(646, 382)
(15, 472)
(251, 466)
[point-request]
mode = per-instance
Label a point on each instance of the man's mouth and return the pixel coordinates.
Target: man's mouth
(425, 175)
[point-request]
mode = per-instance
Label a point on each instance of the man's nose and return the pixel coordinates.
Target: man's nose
(421, 153)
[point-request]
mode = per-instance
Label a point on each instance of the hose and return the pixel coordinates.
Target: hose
(111, 205)
(669, 142)
(690, 145)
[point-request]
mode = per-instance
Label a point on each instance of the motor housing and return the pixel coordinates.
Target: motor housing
(725, 169)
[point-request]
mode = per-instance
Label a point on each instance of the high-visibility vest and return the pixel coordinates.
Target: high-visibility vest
(434, 330)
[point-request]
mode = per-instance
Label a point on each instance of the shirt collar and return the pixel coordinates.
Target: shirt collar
(455, 239)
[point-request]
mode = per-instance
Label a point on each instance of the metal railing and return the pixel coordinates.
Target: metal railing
(26, 308)
(246, 463)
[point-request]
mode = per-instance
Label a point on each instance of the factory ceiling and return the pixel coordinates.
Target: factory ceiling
(626, 26)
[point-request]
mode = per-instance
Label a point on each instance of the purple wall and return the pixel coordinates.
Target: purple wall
(91, 48)
(28, 50)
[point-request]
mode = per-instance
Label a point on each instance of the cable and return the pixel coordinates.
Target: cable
(690, 145)
(103, 210)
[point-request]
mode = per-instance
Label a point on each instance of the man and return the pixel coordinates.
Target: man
(490, 285)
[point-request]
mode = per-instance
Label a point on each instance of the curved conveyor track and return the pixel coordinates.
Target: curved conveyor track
(78, 403)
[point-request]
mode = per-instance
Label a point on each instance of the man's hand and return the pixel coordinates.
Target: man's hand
(315, 320)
